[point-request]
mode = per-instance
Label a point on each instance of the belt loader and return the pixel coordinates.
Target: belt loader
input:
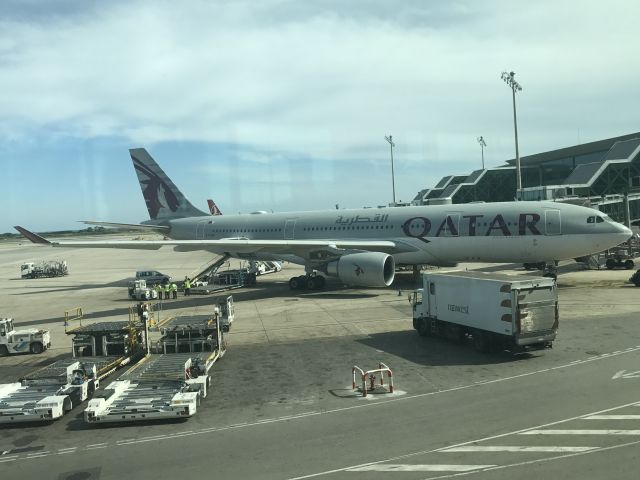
(165, 385)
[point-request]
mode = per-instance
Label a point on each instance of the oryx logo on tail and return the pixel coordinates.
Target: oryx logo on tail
(154, 189)
(164, 200)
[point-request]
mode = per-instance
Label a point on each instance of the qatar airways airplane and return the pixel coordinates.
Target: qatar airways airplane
(362, 247)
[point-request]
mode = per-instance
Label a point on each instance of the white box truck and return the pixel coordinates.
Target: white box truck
(497, 311)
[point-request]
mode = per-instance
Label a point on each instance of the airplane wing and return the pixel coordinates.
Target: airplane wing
(303, 248)
(129, 226)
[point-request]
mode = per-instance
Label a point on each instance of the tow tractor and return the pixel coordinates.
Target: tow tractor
(168, 384)
(138, 290)
(22, 341)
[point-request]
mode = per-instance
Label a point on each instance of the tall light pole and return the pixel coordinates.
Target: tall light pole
(482, 145)
(393, 180)
(509, 79)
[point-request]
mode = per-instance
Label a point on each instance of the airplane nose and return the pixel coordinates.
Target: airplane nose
(625, 230)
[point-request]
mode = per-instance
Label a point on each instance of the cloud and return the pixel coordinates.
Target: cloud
(321, 80)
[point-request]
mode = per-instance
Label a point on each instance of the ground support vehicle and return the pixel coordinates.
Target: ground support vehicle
(152, 277)
(226, 280)
(619, 257)
(22, 341)
(496, 311)
(166, 385)
(161, 386)
(53, 268)
(122, 341)
(138, 290)
(48, 393)
(635, 279)
(225, 313)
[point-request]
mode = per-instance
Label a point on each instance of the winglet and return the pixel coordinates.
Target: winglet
(33, 237)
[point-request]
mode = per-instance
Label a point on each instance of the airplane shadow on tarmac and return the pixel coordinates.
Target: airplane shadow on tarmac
(435, 351)
(261, 291)
(67, 288)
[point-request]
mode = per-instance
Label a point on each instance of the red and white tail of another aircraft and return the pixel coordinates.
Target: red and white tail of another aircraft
(213, 208)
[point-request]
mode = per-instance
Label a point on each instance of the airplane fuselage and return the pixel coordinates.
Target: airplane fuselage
(439, 235)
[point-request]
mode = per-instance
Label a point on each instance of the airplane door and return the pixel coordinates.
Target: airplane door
(289, 229)
(200, 226)
(552, 222)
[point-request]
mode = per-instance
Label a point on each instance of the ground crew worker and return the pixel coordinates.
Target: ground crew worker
(140, 310)
(187, 287)
(167, 290)
(159, 291)
(174, 290)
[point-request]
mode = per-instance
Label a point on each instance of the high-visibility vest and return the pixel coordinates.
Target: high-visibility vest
(174, 287)
(167, 288)
(187, 284)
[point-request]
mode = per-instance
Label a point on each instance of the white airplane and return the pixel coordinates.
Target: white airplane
(362, 247)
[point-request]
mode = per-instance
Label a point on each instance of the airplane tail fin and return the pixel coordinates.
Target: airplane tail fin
(164, 200)
(213, 208)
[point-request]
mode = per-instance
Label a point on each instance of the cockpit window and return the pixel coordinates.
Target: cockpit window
(599, 219)
(591, 220)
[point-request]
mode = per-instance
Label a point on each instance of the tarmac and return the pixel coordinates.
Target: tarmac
(282, 405)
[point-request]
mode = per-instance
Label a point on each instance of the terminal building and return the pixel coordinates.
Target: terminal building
(604, 174)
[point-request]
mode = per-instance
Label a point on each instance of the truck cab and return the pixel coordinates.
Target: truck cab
(26, 269)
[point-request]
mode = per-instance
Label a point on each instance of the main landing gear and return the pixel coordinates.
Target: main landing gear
(550, 270)
(307, 282)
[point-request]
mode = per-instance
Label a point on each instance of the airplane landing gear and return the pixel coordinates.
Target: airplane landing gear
(308, 282)
(550, 270)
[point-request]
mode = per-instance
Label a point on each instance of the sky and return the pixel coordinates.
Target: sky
(284, 105)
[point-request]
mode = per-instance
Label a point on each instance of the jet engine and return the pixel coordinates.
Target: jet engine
(367, 269)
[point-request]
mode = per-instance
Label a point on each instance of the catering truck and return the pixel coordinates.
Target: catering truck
(497, 311)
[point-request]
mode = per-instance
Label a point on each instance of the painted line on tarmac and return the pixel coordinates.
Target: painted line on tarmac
(391, 467)
(613, 417)
(515, 449)
(484, 439)
(541, 460)
(364, 405)
(581, 432)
